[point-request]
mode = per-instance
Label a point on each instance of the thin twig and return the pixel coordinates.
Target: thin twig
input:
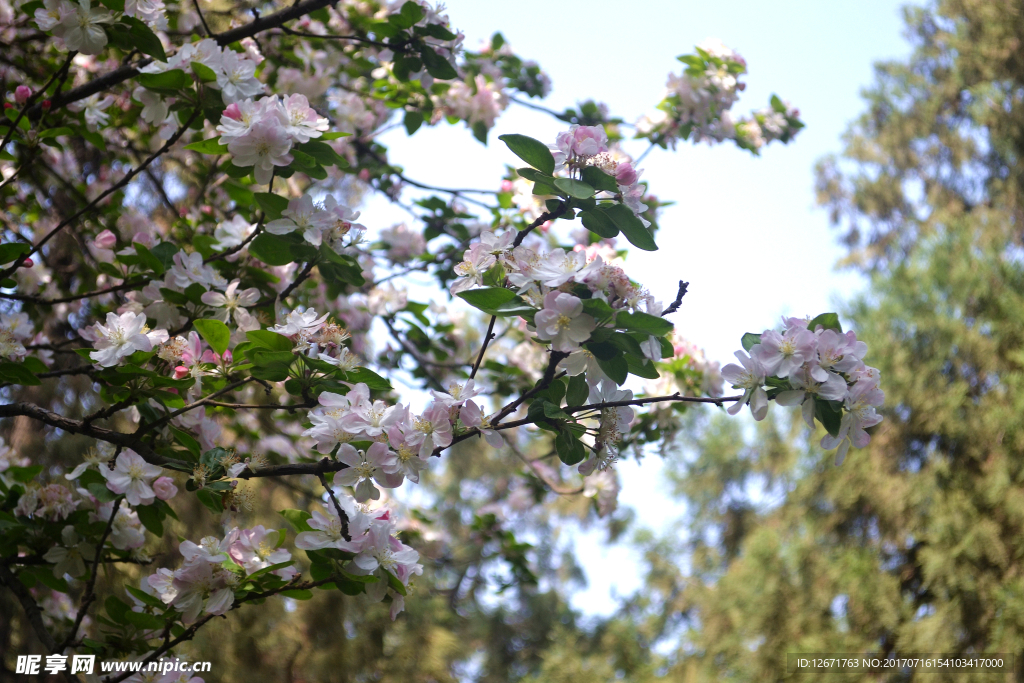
(90, 594)
(483, 348)
(674, 306)
(337, 506)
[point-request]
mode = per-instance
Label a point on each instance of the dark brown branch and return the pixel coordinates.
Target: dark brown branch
(35, 96)
(28, 603)
(299, 279)
(146, 428)
(674, 306)
(483, 347)
(90, 592)
(72, 426)
(124, 73)
(544, 218)
(337, 506)
(128, 284)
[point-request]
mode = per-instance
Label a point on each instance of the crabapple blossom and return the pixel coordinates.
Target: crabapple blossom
(563, 322)
(82, 29)
(131, 476)
(749, 376)
(366, 468)
(472, 416)
(266, 145)
(122, 336)
(232, 302)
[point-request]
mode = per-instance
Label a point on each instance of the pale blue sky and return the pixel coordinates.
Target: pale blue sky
(744, 231)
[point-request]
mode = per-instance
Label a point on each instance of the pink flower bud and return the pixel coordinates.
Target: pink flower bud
(233, 112)
(625, 174)
(180, 372)
(28, 263)
(226, 356)
(8, 105)
(145, 239)
(46, 104)
(105, 240)
(364, 174)
(506, 185)
(22, 93)
(165, 488)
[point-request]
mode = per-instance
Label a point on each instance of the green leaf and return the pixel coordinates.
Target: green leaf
(640, 367)
(25, 474)
(598, 179)
(533, 152)
(368, 377)
(616, 368)
(437, 66)
(151, 518)
(145, 597)
(142, 620)
(17, 373)
(570, 450)
(213, 501)
(298, 593)
(334, 135)
(216, 334)
(208, 146)
(270, 340)
(749, 339)
(12, 251)
(297, 518)
(205, 73)
(144, 40)
(412, 13)
(54, 132)
(578, 391)
(116, 609)
(412, 120)
(599, 222)
(167, 82)
(630, 226)
(322, 153)
(574, 188)
(830, 321)
(829, 415)
(496, 301)
(643, 322)
(274, 250)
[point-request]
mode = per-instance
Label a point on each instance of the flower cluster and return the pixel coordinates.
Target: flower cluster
(318, 339)
(401, 440)
(378, 553)
(583, 146)
(330, 222)
(15, 328)
(818, 368)
(262, 133)
(205, 583)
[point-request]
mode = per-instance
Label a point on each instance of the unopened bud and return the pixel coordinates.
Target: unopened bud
(27, 263)
(22, 93)
(46, 104)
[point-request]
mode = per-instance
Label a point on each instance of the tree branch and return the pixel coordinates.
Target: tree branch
(28, 603)
(124, 73)
(674, 306)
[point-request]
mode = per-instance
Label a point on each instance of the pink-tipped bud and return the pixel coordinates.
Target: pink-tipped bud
(164, 488)
(625, 174)
(364, 174)
(27, 263)
(180, 372)
(233, 112)
(506, 185)
(46, 104)
(105, 240)
(22, 93)
(8, 105)
(226, 356)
